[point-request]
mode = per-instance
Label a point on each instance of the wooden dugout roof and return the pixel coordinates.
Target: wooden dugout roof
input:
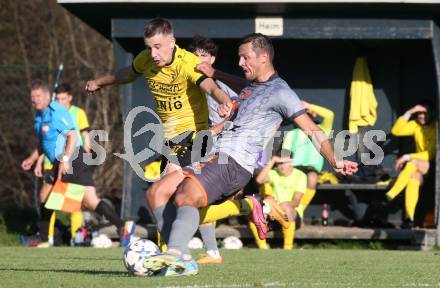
(99, 14)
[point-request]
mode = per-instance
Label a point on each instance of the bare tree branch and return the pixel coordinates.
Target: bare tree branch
(21, 44)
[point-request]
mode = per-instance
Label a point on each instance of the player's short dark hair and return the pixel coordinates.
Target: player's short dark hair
(260, 43)
(203, 43)
(158, 26)
(39, 84)
(430, 108)
(427, 103)
(63, 88)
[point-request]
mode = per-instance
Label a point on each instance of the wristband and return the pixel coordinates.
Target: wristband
(65, 158)
(406, 157)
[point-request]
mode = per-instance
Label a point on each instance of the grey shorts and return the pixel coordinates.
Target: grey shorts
(219, 181)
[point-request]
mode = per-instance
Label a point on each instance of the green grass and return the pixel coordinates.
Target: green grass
(88, 267)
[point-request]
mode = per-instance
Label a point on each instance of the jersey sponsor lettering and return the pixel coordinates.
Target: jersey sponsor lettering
(159, 87)
(169, 105)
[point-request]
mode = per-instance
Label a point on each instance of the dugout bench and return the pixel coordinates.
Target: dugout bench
(349, 190)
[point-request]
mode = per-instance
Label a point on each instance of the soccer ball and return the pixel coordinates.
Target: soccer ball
(135, 254)
(195, 243)
(232, 242)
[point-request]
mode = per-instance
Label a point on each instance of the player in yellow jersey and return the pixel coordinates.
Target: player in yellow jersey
(179, 91)
(413, 167)
(177, 87)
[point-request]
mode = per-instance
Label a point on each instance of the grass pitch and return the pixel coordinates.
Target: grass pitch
(88, 267)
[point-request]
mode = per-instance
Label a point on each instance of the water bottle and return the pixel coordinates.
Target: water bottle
(324, 215)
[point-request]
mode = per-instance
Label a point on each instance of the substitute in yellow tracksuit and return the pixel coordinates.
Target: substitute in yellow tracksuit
(414, 166)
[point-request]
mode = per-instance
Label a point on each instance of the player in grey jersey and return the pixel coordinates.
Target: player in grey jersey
(264, 103)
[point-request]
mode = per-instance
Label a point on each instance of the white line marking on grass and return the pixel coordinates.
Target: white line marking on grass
(273, 284)
(418, 285)
(258, 284)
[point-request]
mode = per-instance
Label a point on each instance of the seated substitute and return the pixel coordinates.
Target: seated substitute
(286, 186)
(413, 167)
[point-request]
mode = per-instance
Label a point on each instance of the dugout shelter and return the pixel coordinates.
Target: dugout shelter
(316, 43)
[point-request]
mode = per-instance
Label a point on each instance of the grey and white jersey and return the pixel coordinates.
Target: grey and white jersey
(214, 118)
(263, 106)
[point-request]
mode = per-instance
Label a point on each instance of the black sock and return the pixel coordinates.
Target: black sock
(43, 222)
(104, 209)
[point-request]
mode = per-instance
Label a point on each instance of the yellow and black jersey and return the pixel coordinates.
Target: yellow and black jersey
(180, 103)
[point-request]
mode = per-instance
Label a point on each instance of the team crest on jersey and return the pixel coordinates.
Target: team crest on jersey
(173, 76)
(45, 128)
(245, 94)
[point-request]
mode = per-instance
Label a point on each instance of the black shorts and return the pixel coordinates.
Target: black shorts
(219, 181)
(182, 150)
(81, 173)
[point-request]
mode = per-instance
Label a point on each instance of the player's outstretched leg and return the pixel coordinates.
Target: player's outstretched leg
(249, 206)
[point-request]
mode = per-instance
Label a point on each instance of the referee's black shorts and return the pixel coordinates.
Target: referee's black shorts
(81, 172)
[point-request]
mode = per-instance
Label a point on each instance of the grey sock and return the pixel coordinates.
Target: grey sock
(207, 231)
(184, 228)
(165, 216)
